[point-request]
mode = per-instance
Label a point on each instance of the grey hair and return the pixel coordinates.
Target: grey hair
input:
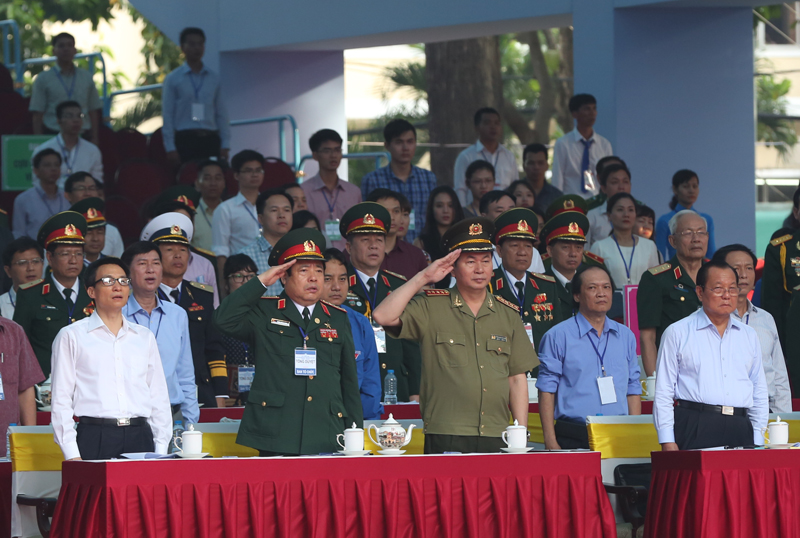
(673, 222)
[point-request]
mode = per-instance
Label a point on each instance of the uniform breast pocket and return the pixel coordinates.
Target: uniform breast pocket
(499, 352)
(329, 349)
(680, 295)
(451, 349)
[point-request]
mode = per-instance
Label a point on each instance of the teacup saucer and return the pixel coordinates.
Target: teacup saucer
(354, 452)
(191, 456)
(391, 452)
(516, 450)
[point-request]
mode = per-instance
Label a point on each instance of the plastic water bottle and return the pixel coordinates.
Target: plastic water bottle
(390, 388)
(8, 442)
(177, 431)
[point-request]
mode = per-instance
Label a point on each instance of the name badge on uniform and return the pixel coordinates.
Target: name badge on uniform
(607, 393)
(2, 394)
(281, 322)
(198, 112)
(380, 338)
(529, 331)
(246, 375)
(332, 230)
(305, 361)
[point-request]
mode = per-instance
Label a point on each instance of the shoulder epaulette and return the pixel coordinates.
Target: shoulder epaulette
(780, 240)
(334, 306)
(204, 287)
(507, 303)
(545, 256)
(594, 257)
(401, 277)
(204, 251)
(432, 292)
(31, 284)
(660, 268)
(544, 277)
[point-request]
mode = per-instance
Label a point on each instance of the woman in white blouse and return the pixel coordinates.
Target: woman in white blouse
(627, 256)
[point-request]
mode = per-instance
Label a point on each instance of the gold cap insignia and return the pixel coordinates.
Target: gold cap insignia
(182, 199)
(573, 228)
(522, 226)
(369, 219)
(69, 229)
(569, 204)
(309, 246)
(475, 229)
(175, 230)
(91, 213)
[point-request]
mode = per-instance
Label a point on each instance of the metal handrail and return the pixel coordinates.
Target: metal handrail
(53, 59)
(377, 155)
(281, 136)
(11, 26)
(140, 89)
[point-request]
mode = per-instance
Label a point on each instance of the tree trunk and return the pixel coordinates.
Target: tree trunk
(547, 94)
(565, 83)
(462, 76)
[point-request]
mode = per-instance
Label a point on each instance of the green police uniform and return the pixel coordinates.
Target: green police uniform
(402, 356)
(596, 201)
(666, 294)
(464, 394)
(287, 413)
(780, 289)
(41, 309)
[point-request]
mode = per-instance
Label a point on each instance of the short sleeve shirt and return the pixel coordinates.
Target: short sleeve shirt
(51, 88)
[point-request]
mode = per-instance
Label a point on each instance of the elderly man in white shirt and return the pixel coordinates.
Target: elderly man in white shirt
(107, 372)
(575, 154)
(710, 384)
(744, 261)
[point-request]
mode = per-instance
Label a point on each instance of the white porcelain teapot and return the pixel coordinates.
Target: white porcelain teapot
(391, 435)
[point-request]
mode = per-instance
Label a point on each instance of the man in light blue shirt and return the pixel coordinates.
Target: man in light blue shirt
(588, 365)
(195, 120)
(170, 325)
(710, 384)
(37, 204)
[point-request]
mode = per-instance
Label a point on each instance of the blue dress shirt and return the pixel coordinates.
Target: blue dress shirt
(170, 325)
(367, 365)
(696, 364)
(259, 251)
(32, 208)
(570, 367)
(182, 88)
(662, 233)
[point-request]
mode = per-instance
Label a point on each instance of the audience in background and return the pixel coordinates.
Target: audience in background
(535, 166)
(210, 184)
(401, 257)
(239, 270)
(80, 186)
(522, 192)
(93, 210)
(685, 189)
(792, 221)
(37, 204)
(23, 263)
(305, 219)
(275, 216)
(614, 178)
(442, 212)
(480, 180)
(298, 196)
(645, 222)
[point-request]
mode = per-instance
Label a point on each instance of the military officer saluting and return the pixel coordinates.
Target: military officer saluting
(46, 306)
(305, 389)
(474, 346)
(364, 226)
(535, 294)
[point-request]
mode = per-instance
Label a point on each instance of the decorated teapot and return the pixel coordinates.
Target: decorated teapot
(391, 435)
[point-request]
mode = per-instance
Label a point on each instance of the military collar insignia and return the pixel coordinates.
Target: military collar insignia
(678, 273)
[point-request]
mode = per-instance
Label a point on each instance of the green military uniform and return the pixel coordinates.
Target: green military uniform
(666, 294)
(401, 356)
(41, 309)
(780, 289)
(464, 394)
(287, 413)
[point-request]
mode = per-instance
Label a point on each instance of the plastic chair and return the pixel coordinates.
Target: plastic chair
(187, 175)
(156, 151)
(13, 111)
(109, 148)
(276, 174)
(125, 215)
(132, 145)
(141, 180)
(6, 81)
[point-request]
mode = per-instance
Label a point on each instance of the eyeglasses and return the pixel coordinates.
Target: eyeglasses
(109, 281)
(32, 261)
(70, 255)
(689, 234)
(719, 292)
(239, 277)
(81, 188)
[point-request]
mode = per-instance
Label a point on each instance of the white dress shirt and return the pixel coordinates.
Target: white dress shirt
(8, 303)
(167, 290)
(567, 160)
(83, 157)
(696, 364)
(537, 266)
(97, 374)
(234, 226)
(780, 394)
(503, 160)
(599, 225)
(645, 256)
(561, 278)
(76, 287)
(114, 245)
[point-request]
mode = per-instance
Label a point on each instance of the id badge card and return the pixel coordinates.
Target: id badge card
(380, 338)
(607, 393)
(2, 394)
(305, 361)
(529, 331)
(246, 375)
(411, 221)
(332, 230)
(198, 112)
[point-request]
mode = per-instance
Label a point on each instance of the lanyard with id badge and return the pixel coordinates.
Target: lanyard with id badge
(246, 373)
(605, 383)
(331, 224)
(305, 358)
(198, 108)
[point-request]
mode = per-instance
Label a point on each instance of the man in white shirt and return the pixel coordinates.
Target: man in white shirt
(107, 372)
(77, 154)
(488, 148)
(82, 185)
(710, 385)
(210, 184)
(23, 263)
(614, 178)
(575, 154)
(235, 224)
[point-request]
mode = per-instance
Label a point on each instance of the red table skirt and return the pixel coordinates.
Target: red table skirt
(498, 495)
(5, 499)
(725, 494)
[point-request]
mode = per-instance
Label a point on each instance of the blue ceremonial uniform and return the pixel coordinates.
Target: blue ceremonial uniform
(367, 365)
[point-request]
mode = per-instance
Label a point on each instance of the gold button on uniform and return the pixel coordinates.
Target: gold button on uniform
(330, 339)
(48, 319)
(263, 404)
(484, 390)
(199, 318)
(481, 366)
(451, 340)
(340, 415)
(310, 398)
(311, 377)
(383, 365)
(316, 320)
(682, 299)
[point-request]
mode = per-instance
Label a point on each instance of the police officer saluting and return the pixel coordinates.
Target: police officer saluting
(305, 389)
(475, 347)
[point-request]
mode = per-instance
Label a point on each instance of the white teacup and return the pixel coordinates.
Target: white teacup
(190, 442)
(778, 432)
(516, 436)
(353, 439)
(649, 387)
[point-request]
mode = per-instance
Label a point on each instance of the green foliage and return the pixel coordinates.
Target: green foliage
(771, 100)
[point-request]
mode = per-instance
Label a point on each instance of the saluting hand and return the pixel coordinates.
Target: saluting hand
(441, 267)
(273, 274)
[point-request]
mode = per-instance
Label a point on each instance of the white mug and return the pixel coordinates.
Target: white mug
(190, 442)
(516, 436)
(353, 439)
(649, 386)
(778, 432)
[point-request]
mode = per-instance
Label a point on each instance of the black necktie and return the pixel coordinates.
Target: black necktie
(520, 289)
(306, 315)
(67, 293)
(371, 288)
(176, 295)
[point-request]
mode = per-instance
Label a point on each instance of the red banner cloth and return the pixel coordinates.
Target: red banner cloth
(724, 494)
(459, 496)
(5, 499)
